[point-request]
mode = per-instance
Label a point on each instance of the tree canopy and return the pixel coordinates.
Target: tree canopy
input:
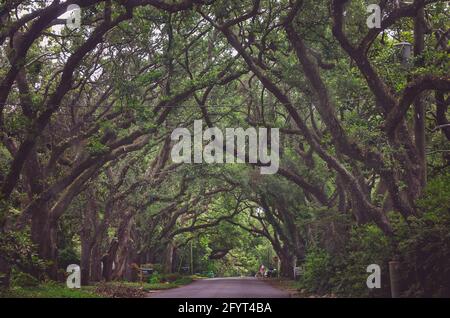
(86, 116)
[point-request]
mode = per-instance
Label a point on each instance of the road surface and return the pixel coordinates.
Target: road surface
(235, 287)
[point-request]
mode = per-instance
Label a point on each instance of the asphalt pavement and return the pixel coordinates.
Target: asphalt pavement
(234, 287)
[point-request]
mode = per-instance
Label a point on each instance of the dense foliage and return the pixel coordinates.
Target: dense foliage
(86, 116)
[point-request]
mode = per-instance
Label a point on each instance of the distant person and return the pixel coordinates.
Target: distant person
(261, 272)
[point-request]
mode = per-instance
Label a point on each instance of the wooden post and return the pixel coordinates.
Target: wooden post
(394, 275)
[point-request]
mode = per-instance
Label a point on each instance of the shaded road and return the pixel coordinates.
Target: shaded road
(235, 287)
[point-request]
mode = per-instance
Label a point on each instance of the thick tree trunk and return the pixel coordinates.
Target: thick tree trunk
(43, 231)
(85, 260)
(287, 261)
(120, 264)
(131, 273)
(122, 249)
(168, 258)
(108, 260)
(86, 238)
(46, 242)
(287, 265)
(96, 263)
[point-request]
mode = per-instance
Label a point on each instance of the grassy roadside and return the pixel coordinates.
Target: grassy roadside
(49, 290)
(101, 290)
(294, 288)
(137, 289)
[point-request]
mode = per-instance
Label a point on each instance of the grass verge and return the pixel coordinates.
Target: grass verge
(49, 290)
(294, 288)
(119, 289)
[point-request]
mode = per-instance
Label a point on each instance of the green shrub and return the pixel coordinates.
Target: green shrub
(367, 245)
(17, 248)
(317, 271)
(67, 256)
(49, 289)
(20, 279)
(183, 280)
(155, 278)
(424, 243)
(170, 278)
(173, 278)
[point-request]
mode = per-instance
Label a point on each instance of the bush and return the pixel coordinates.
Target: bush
(67, 256)
(155, 278)
(170, 278)
(20, 279)
(425, 255)
(17, 249)
(183, 280)
(174, 278)
(424, 243)
(367, 245)
(317, 271)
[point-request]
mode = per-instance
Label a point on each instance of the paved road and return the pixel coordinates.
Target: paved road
(238, 287)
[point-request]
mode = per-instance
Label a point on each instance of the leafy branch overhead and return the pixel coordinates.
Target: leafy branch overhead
(87, 115)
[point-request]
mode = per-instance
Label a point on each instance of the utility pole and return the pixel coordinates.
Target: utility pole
(192, 261)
